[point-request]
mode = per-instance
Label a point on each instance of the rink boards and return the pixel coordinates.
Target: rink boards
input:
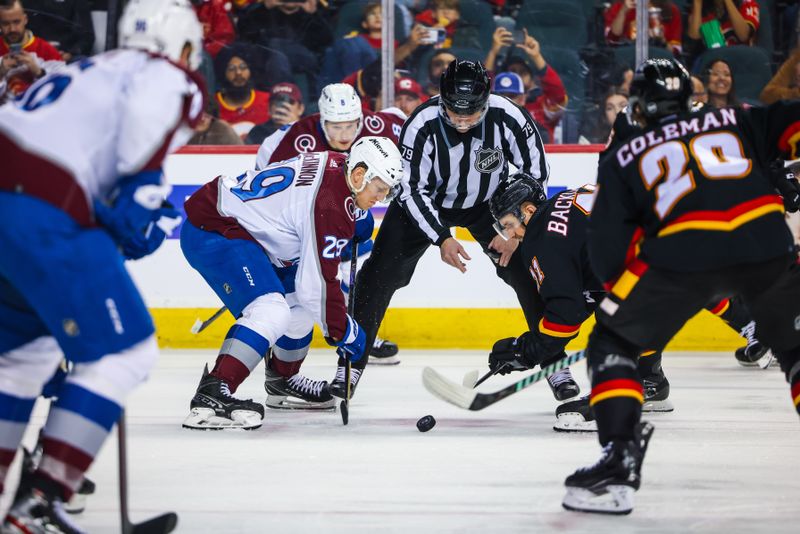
(441, 308)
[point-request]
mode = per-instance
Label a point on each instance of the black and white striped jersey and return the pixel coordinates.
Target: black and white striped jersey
(445, 169)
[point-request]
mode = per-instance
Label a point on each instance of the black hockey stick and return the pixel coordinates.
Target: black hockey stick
(161, 524)
(344, 406)
(199, 325)
(469, 399)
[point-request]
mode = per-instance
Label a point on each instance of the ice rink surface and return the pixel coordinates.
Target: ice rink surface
(725, 461)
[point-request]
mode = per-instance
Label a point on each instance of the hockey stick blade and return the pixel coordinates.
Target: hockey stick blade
(446, 390)
(469, 399)
(199, 325)
(163, 524)
(470, 379)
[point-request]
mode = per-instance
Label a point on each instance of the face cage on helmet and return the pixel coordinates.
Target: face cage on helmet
(446, 117)
(516, 212)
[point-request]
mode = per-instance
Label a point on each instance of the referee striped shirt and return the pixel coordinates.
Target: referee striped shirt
(445, 169)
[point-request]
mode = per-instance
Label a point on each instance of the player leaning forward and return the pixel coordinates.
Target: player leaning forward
(698, 184)
(268, 243)
(80, 191)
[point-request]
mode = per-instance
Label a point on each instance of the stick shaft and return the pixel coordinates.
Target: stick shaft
(351, 302)
(482, 400)
(217, 314)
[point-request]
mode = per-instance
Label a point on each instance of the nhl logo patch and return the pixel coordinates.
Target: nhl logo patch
(488, 159)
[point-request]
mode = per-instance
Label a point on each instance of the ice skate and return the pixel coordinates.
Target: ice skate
(383, 352)
(35, 512)
(77, 504)
(297, 392)
(214, 408)
(563, 385)
(754, 354)
(607, 487)
(575, 416)
(339, 387)
(656, 393)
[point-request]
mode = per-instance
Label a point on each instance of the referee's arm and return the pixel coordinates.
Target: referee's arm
(525, 144)
(419, 181)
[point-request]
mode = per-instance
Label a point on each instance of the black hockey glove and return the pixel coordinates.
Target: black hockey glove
(787, 185)
(509, 355)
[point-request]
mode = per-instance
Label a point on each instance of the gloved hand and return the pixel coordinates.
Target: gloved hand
(352, 344)
(508, 355)
(167, 218)
(138, 216)
(787, 185)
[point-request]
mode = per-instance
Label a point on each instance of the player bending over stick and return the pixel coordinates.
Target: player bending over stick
(268, 243)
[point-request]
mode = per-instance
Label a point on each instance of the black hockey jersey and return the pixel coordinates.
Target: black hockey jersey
(697, 184)
(555, 250)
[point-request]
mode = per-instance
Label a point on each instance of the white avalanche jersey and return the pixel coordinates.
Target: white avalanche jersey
(301, 211)
(76, 131)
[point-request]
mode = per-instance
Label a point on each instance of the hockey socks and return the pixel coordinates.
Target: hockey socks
(76, 428)
(288, 354)
(240, 353)
(14, 415)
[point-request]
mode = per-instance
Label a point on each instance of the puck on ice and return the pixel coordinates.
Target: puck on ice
(426, 423)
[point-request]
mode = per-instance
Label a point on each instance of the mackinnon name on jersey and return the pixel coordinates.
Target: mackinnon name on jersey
(674, 130)
(308, 170)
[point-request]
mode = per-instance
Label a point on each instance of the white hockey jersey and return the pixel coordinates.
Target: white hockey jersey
(300, 211)
(76, 131)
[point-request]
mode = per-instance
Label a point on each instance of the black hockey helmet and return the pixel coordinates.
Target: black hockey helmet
(511, 194)
(464, 87)
(660, 87)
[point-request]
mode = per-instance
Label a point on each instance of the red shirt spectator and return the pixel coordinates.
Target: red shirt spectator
(738, 22)
(445, 14)
(218, 29)
(549, 106)
(22, 67)
(243, 117)
(34, 45)
(669, 29)
(750, 11)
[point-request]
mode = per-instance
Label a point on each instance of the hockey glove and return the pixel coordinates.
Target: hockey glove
(352, 344)
(138, 218)
(508, 355)
(787, 185)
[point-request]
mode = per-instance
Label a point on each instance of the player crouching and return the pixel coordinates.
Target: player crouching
(268, 243)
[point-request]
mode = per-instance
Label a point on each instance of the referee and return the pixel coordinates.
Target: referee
(456, 148)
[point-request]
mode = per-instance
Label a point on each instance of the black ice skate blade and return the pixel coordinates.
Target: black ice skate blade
(162, 524)
(575, 430)
(345, 412)
(601, 512)
(217, 428)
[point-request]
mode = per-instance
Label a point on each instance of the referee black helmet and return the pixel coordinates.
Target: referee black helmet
(464, 88)
(660, 87)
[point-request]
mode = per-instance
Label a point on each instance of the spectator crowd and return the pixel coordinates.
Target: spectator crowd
(568, 62)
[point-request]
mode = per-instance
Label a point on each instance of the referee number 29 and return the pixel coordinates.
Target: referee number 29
(719, 156)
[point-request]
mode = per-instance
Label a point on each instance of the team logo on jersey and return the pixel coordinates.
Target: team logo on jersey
(536, 272)
(374, 124)
(305, 143)
(70, 327)
(350, 207)
(488, 159)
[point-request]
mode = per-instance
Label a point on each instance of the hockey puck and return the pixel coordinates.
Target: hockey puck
(426, 423)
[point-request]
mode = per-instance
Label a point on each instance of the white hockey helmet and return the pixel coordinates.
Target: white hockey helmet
(382, 159)
(340, 103)
(162, 27)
